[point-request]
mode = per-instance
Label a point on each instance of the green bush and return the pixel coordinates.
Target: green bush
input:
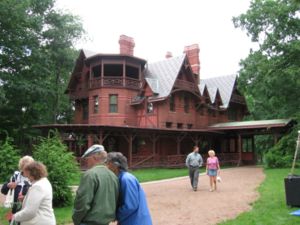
(282, 154)
(9, 158)
(61, 166)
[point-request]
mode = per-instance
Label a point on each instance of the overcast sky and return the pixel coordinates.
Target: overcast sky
(158, 26)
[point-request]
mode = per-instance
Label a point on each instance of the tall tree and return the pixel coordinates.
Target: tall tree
(36, 57)
(270, 76)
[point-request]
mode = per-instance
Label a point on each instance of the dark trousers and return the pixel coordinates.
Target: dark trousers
(194, 175)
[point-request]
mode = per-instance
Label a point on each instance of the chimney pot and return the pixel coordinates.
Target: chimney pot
(192, 52)
(126, 45)
(169, 55)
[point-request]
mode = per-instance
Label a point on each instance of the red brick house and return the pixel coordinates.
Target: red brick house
(156, 112)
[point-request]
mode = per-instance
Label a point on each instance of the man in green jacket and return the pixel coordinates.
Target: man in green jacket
(98, 191)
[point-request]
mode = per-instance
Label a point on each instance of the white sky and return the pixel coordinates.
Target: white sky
(158, 26)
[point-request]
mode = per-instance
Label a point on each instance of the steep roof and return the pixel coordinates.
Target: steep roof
(224, 84)
(88, 53)
(162, 75)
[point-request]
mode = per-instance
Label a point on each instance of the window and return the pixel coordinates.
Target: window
(96, 104)
(113, 103)
(168, 124)
(179, 125)
(149, 107)
(172, 103)
(186, 103)
(247, 145)
(85, 109)
(189, 126)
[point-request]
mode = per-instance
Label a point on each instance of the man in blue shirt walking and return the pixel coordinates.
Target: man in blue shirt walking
(132, 209)
(193, 162)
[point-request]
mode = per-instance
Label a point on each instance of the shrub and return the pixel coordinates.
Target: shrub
(61, 166)
(9, 158)
(282, 154)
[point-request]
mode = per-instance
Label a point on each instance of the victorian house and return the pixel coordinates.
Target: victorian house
(154, 113)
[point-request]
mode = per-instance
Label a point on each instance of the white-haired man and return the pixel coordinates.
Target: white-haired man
(98, 191)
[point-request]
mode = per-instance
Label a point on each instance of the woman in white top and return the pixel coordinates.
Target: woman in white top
(37, 205)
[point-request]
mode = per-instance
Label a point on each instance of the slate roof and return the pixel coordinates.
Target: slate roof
(162, 75)
(88, 53)
(224, 84)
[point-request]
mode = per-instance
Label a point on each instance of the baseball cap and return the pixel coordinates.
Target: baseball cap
(92, 150)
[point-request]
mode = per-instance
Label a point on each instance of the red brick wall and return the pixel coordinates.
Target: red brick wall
(126, 114)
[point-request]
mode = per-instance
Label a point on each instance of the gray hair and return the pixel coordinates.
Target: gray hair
(118, 159)
(24, 161)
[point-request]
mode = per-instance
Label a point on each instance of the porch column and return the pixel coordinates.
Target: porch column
(276, 137)
(102, 73)
(124, 73)
(100, 139)
(253, 149)
(90, 140)
(178, 146)
(240, 149)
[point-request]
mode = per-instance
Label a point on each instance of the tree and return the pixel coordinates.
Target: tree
(36, 57)
(269, 76)
(61, 166)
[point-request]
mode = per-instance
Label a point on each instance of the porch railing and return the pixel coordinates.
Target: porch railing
(115, 82)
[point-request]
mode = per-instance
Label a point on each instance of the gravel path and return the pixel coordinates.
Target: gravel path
(173, 202)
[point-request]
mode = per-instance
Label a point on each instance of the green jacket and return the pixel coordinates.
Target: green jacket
(96, 197)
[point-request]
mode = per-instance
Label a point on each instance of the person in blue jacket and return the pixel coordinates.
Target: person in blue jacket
(132, 209)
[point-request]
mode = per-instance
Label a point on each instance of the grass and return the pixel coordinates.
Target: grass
(271, 207)
(144, 175)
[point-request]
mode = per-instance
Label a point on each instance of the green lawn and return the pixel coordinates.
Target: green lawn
(270, 208)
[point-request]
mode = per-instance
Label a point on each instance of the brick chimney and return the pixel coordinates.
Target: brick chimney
(192, 52)
(169, 55)
(126, 45)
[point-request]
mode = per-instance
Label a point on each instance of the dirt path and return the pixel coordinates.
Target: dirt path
(173, 202)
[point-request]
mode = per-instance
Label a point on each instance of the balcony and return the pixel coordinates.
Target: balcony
(115, 82)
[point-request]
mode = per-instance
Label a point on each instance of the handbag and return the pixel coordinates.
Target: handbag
(9, 199)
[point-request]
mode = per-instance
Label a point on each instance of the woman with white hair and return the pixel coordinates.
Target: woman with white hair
(19, 183)
(212, 169)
